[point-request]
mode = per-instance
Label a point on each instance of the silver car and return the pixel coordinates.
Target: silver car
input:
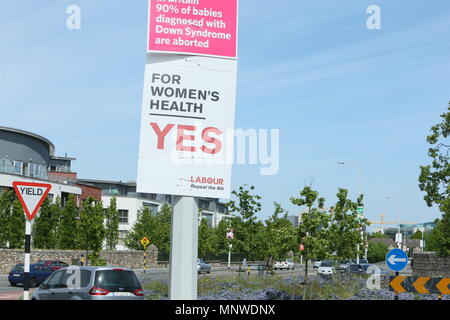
(90, 283)
(203, 266)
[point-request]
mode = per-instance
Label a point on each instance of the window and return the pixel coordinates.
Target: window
(54, 280)
(220, 208)
(202, 204)
(17, 167)
(123, 216)
(152, 207)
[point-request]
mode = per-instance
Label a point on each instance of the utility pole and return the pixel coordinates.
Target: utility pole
(358, 166)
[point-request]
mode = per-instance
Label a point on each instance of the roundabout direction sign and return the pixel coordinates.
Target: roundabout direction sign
(396, 260)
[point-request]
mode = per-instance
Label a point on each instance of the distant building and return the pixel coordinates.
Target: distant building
(294, 220)
(409, 229)
(25, 156)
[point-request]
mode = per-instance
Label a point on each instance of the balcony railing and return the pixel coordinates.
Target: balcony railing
(27, 169)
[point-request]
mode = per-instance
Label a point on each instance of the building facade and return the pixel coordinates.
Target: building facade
(28, 157)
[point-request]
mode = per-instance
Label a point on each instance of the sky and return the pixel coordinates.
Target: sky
(337, 91)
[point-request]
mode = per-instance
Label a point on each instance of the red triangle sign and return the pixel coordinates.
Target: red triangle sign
(31, 196)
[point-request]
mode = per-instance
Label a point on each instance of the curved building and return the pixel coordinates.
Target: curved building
(24, 153)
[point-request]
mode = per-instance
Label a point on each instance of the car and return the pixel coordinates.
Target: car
(327, 268)
(38, 273)
(355, 268)
(53, 264)
(363, 261)
(90, 283)
(316, 264)
(203, 266)
(343, 267)
(286, 264)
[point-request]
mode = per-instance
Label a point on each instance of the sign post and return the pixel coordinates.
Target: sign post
(230, 236)
(183, 249)
(144, 241)
(31, 196)
(186, 119)
(397, 260)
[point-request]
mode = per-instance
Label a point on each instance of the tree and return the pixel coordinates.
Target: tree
(434, 181)
(417, 235)
(377, 252)
(376, 235)
(346, 227)
(91, 225)
(6, 199)
(143, 227)
(220, 237)
(16, 236)
(248, 230)
(313, 231)
(160, 232)
(280, 235)
(112, 225)
(155, 228)
(45, 225)
(205, 239)
(68, 226)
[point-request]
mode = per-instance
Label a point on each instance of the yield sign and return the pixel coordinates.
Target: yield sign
(31, 196)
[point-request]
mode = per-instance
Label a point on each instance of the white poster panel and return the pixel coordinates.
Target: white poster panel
(187, 123)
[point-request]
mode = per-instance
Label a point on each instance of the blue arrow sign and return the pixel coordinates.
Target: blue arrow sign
(396, 259)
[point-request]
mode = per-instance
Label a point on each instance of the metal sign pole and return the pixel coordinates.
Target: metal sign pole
(183, 249)
(26, 265)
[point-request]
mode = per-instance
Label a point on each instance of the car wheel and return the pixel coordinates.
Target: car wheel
(13, 284)
(209, 270)
(33, 283)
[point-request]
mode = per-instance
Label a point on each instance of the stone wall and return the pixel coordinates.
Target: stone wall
(427, 264)
(126, 259)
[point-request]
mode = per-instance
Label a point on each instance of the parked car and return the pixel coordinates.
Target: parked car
(343, 267)
(38, 273)
(363, 261)
(202, 266)
(90, 283)
(327, 268)
(53, 264)
(286, 264)
(316, 264)
(355, 268)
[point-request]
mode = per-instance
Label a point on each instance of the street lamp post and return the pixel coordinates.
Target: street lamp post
(358, 166)
(399, 243)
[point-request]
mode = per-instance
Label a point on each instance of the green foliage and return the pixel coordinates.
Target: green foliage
(280, 235)
(91, 229)
(206, 239)
(68, 226)
(112, 225)
(434, 181)
(95, 259)
(376, 235)
(377, 252)
(16, 236)
(6, 199)
(45, 225)
(313, 231)
(417, 235)
(346, 227)
(155, 228)
(220, 240)
(248, 231)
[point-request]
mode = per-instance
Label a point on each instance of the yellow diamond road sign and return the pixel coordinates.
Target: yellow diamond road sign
(145, 241)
